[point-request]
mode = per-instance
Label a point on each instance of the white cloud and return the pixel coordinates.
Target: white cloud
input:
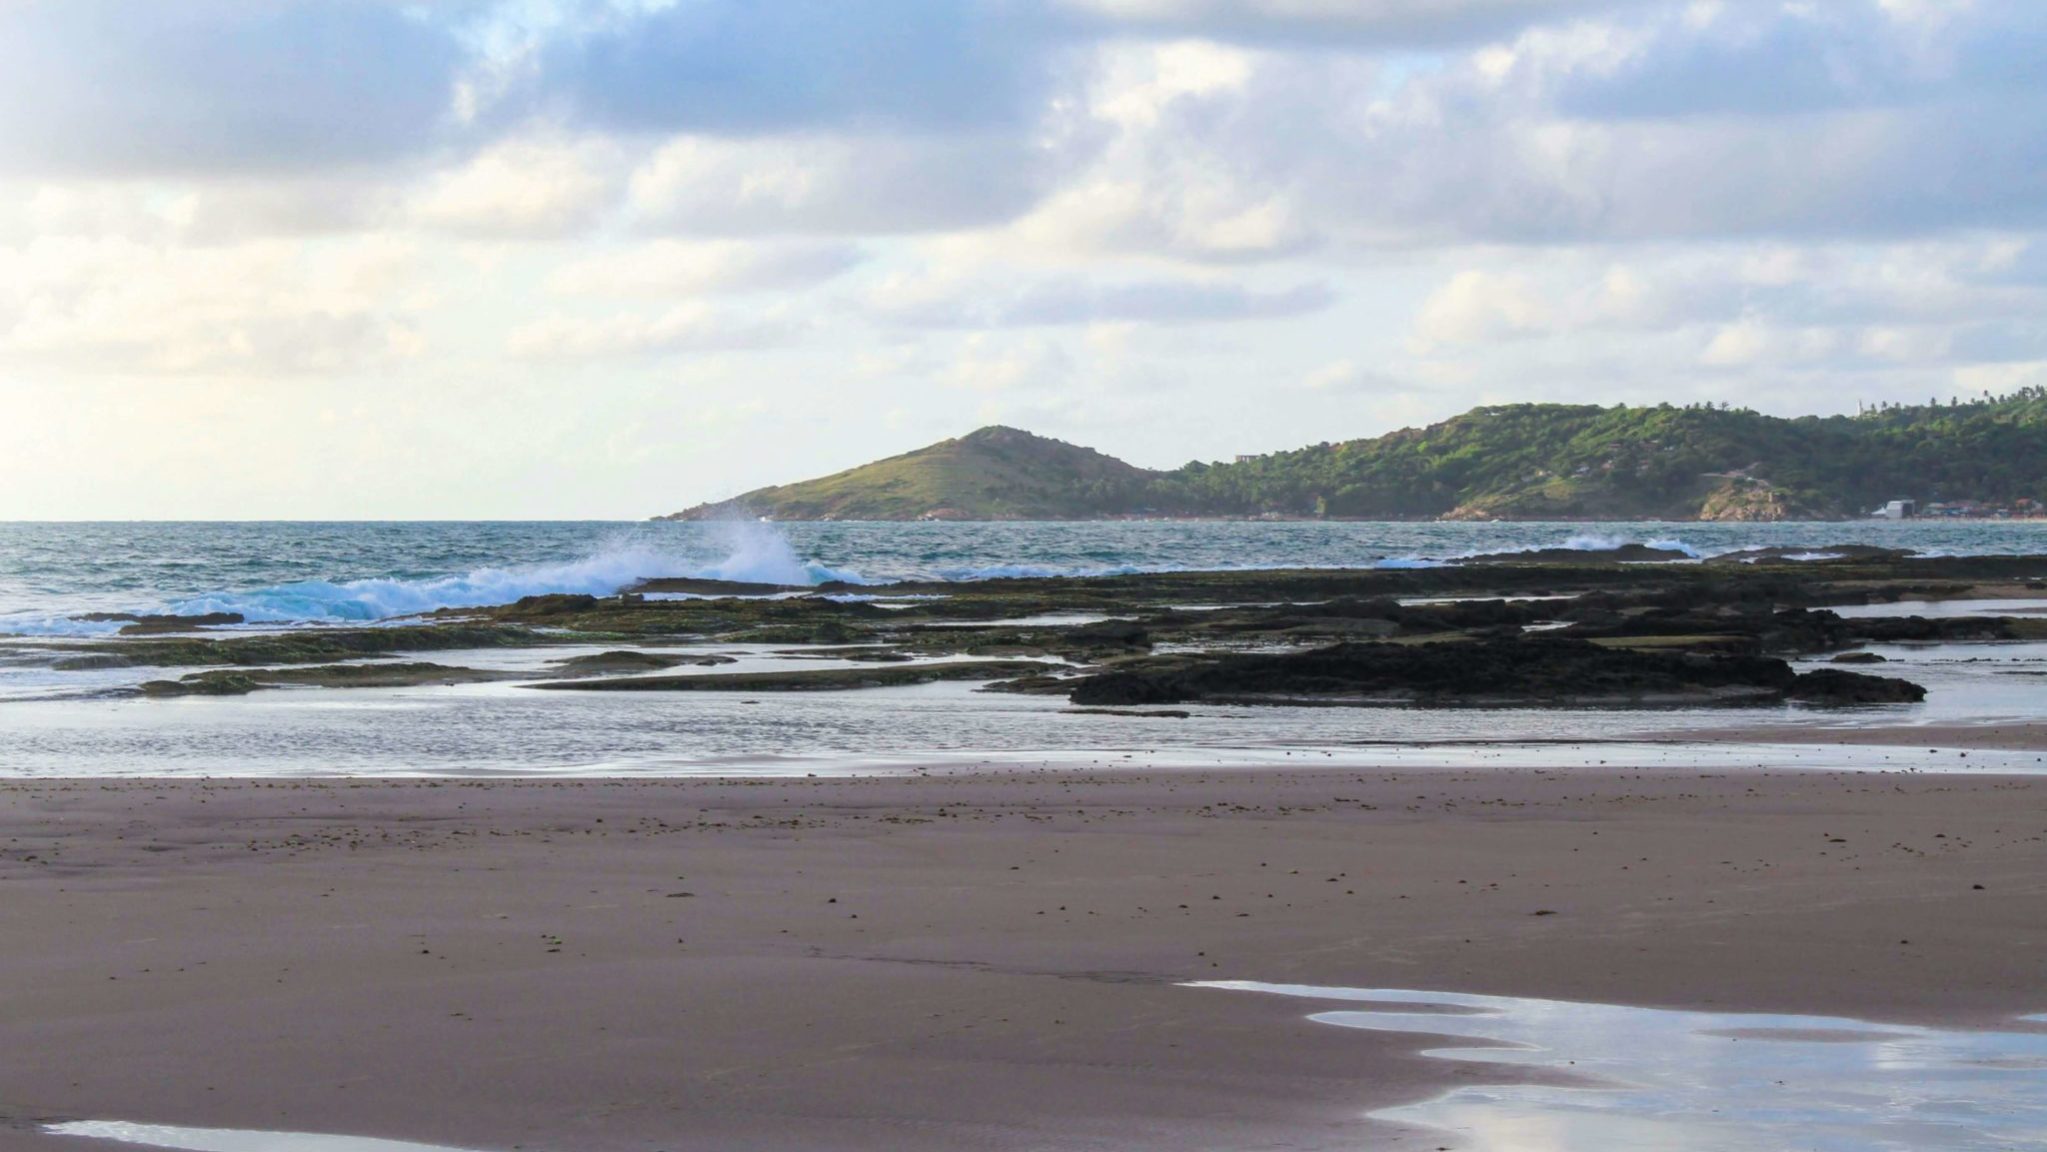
(689, 327)
(992, 299)
(683, 268)
(1385, 22)
(835, 184)
(1480, 306)
(1348, 377)
(987, 363)
(254, 309)
(524, 188)
(1749, 343)
(1136, 220)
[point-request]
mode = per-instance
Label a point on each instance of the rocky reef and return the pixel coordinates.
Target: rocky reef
(1492, 672)
(235, 682)
(1556, 628)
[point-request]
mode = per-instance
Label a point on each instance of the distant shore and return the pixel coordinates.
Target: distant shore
(984, 960)
(1282, 518)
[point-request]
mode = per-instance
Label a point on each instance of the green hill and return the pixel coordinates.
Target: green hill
(1510, 462)
(994, 474)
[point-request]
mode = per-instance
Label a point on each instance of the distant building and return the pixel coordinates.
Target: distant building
(1246, 458)
(1897, 510)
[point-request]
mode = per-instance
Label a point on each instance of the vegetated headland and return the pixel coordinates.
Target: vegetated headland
(1509, 462)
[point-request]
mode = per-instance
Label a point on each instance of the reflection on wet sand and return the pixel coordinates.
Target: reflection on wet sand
(1705, 1081)
(231, 1139)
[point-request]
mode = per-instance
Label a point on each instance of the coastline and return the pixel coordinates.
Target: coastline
(974, 960)
(1989, 736)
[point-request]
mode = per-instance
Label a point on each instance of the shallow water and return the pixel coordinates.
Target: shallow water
(1943, 609)
(231, 1140)
(1706, 1081)
(47, 729)
(80, 723)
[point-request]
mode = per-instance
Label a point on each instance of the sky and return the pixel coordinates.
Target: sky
(365, 259)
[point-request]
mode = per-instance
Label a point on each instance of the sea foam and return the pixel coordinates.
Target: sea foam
(744, 552)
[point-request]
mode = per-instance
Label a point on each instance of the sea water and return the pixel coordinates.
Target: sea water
(285, 573)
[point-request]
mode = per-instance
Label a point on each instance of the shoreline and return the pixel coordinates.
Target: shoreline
(1990, 735)
(950, 960)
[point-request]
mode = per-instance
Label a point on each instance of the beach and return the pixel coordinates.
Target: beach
(1006, 862)
(981, 959)
(1023, 576)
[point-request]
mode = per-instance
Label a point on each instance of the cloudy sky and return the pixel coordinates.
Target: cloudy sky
(559, 258)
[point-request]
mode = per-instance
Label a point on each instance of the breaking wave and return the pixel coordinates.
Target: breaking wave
(752, 553)
(283, 575)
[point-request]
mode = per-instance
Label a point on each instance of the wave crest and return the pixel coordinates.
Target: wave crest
(746, 553)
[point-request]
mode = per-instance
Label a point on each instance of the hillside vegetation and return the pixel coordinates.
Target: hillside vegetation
(993, 474)
(1510, 462)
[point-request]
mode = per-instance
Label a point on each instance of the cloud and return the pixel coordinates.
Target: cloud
(1134, 219)
(689, 327)
(740, 67)
(867, 185)
(529, 187)
(1353, 23)
(1053, 301)
(1478, 306)
(684, 268)
(1552, 138)
(139, 87)
(985, 363)
(253, 310)
(1790, 59)
(1348, 377)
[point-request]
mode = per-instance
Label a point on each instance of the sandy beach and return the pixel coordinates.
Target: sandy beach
(1955, 739)
(942, 962)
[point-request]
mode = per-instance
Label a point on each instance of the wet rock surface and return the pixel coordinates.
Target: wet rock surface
(1499, 672)
(236, 682)
(623, 662)
(1171, 633)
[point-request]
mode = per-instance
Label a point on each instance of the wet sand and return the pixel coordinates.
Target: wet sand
(947, 962)
(1958, 738)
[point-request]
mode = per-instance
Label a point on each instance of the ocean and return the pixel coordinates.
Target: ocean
(328, 573)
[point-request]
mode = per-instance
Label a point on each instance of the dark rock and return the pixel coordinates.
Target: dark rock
(1119, 633)
(1519, 672)
(1623, 554)
(205, 620)
(93, 662)
(309, 646)
(1860, 658)
(1831, 686)
(692, 586)
(1919, 629)
(161, 625)
(609, 663)
(237, 682)
(1034, 686)
(221, 683)
(553, 604)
